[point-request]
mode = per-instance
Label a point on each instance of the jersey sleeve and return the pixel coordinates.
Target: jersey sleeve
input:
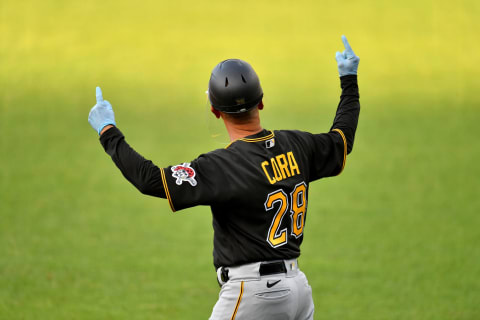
(205, 181)
(142, 173)
(328, 154)
(200, 182)
(329, 150)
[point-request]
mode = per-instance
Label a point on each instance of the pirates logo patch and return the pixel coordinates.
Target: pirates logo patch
(183, 172)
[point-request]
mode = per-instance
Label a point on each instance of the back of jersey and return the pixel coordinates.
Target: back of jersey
(257, 188)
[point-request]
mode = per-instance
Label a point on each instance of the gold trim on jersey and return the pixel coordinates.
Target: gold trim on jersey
(267, 137)
(167, 192)
(344, 148)
(238, 302)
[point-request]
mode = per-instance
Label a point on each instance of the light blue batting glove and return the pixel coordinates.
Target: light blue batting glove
(347, 61)
(101, 115)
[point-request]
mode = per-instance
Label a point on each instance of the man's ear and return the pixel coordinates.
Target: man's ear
(260, 105)
(215, 112)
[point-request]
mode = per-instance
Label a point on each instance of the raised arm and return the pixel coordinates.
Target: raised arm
(329, 153)
(142, 173)
(346, 118)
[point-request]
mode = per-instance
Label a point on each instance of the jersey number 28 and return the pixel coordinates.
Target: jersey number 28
(298, 208)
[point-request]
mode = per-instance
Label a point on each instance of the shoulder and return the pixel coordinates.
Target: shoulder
(294, 135)
(215, 155)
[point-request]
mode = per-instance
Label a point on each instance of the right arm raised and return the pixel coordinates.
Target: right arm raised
(142, 173)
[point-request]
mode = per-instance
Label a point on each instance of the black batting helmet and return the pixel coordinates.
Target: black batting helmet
(234, 87)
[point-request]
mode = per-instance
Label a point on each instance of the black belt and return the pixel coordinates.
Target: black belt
(266, 268)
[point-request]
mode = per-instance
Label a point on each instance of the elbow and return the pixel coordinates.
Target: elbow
(144, 189)
(152, 191)
(349, 148)
(350, 137)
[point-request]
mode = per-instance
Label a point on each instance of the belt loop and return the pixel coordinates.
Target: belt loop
(222, 276)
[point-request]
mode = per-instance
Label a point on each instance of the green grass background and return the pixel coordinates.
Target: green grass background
(396, 236)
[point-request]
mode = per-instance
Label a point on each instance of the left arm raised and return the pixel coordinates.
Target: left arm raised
(346, 118)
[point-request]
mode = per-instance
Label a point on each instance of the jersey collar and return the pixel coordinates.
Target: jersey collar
(261, 136)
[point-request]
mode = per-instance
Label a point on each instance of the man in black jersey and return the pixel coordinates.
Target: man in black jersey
(257, 188)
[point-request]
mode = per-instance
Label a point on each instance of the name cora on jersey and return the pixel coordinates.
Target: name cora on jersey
(183, 172)
(280, 167)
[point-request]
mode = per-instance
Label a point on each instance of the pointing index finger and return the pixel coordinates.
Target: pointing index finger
(99, 95)
(346, 44)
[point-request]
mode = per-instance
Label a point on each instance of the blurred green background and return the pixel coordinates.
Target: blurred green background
(396, 236)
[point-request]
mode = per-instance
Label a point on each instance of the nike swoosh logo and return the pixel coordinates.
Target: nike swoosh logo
(271, 284)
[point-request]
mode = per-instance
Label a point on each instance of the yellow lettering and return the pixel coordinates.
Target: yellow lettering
(264, 165)
(293, 164)
(283, 165)
(276, 170)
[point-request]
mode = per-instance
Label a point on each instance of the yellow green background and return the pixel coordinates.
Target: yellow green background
(394, 237)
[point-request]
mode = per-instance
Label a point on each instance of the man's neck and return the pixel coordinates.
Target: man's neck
(238, 131)
(241, 127)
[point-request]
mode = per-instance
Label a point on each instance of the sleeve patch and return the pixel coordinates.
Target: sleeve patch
(184, 172)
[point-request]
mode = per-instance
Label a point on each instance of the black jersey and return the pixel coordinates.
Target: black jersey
(257, 187)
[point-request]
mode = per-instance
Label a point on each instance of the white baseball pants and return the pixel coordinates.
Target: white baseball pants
(249, 296)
